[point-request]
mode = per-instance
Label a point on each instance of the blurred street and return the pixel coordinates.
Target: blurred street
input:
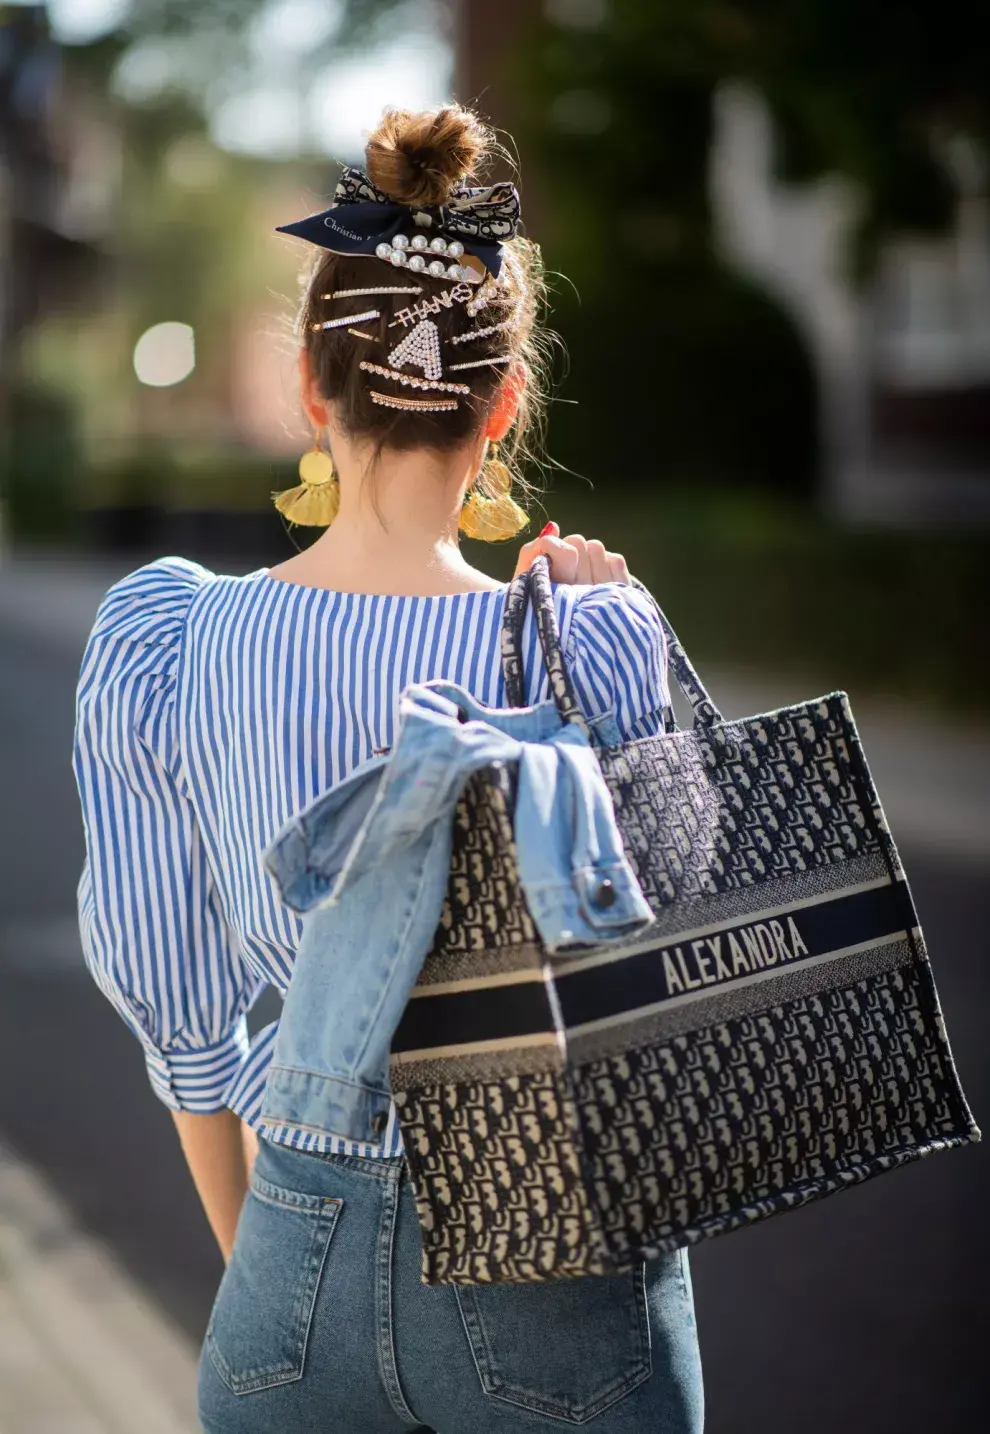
(789, 1311)
(83, 1349)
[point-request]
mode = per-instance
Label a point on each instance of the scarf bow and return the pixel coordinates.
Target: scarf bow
(362, 217)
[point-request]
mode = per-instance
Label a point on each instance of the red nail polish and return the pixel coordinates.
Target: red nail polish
(548, 529)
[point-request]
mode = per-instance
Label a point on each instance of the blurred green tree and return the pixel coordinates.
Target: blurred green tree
(615, 102)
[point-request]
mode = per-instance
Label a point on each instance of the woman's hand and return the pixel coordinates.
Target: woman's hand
(574, 559)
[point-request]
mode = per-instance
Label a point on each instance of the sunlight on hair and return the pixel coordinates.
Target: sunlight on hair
(165, 354)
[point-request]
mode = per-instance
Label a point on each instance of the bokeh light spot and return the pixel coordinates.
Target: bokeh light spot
(165, 354)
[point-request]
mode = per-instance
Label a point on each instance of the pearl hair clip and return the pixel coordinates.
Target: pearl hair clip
(346, 319)
(406, 378)
(477, 363)
(354, 293)
(423, 256)
(478, 301)
(422, 405)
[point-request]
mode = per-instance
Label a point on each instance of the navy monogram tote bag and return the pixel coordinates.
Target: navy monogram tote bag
(773, 1038)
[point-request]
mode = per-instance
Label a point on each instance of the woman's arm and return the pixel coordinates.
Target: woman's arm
(219, 1151)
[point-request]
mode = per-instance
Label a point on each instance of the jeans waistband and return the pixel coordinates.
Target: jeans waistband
(388, 1167)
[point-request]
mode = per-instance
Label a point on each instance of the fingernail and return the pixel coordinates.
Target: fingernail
(547, 530)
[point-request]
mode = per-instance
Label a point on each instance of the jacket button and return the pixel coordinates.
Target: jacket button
(604, 894)
(379, 1122)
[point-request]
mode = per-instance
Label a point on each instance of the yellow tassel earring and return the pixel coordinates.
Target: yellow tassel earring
(496, 517)
(315, 502)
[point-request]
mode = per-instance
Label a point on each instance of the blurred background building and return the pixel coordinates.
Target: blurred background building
(767, 227)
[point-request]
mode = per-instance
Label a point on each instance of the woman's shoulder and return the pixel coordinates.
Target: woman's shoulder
(152, 598)
(141, 618)
(616, 651)
(595, 612)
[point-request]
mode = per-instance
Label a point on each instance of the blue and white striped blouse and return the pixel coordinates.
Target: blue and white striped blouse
(210, 709)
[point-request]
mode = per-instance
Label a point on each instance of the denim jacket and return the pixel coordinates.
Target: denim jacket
(368, 864)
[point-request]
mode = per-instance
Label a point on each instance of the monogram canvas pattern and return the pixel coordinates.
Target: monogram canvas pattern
(484, 910)
(677, 1141)
(499, 1188)
(720, 1126)
(720, 808)
(742, 1091)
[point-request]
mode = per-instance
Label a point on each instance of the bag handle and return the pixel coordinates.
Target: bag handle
(534, 587)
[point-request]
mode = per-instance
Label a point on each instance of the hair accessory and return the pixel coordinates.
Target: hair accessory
(353, 293)
(460, 294)
(360, 334)
(346, 319)
(480, 363)
(415, 254)
(408, 378)
(477, 302)
(421, 349)
(473, 334)
(314, 503)
(423, 405)
(497, 517)
(362, 217)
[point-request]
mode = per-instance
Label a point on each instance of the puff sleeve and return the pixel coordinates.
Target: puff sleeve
(616, 653)
(153, 932)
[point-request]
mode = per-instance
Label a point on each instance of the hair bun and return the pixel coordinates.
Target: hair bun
(421, 157)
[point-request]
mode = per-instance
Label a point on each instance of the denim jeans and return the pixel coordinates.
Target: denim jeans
(322, 1325)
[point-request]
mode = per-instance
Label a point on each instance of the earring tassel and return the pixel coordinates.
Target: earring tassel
(492, 519)
(310, 507)
(314, 503)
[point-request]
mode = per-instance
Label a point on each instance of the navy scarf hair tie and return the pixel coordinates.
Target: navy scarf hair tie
(362, 217)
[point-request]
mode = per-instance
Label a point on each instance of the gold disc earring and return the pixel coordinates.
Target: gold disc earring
(315, 501)
(499, 516)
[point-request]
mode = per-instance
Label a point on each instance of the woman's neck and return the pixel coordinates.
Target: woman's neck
(396, 529)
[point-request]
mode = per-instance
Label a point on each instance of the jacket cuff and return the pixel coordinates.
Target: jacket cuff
(326, 1105)
(197, 1080)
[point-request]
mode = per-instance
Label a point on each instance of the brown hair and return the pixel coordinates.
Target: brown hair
(420, 159)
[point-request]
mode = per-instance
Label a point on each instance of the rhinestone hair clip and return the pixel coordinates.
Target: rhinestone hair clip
(420, 405)
(354, 293)
(407, 378)
(346, 319)
(477, 363)
(473, 334)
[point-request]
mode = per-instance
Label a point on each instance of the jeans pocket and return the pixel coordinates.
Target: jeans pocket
(259, 1326)
(567, 1348)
